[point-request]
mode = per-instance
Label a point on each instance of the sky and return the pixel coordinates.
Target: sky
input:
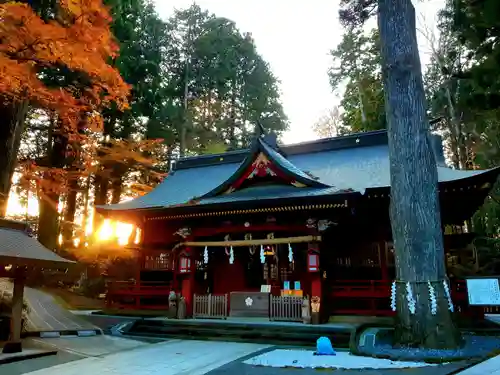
(295, 37)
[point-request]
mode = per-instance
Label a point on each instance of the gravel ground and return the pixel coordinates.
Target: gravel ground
(474, 347)
(238, 367)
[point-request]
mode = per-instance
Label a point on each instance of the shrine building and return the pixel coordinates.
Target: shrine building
(254, 232)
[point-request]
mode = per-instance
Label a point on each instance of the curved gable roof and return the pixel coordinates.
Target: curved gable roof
(275, 158)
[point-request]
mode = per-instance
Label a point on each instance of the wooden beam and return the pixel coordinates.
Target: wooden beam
(268, 227)
(263, 241)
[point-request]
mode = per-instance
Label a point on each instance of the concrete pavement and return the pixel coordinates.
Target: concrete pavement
(95, 346)
(175, 357)
(489, 367)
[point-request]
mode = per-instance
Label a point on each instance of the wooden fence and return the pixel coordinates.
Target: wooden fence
(287, 308)
(210, 306)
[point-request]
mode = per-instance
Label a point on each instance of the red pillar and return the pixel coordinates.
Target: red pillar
(140, 267)
(188, 285)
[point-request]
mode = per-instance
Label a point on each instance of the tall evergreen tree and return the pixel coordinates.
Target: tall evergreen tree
(218, 82)
(356, 71)
(414, 208)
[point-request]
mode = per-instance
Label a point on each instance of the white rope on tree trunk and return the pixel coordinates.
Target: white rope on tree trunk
(448, 296)
(432, 298)
(410, 299)
(393, 296)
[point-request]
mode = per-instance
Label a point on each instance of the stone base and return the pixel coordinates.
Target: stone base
(315, 318)
(12, 347)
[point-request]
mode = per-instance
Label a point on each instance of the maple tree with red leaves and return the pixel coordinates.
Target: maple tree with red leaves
(78, 41)
(81, 41)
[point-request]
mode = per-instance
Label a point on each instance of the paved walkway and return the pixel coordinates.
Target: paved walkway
(176, 357)
(68, 349)
(94, 346)
(489, 367)
(45, 313)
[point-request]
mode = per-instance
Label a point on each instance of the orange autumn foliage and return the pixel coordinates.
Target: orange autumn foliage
(80, 40)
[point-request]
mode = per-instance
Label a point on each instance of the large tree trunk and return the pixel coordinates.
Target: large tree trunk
(68, 226)
(48, 219)
(12, 119)
(101, 198)
(85, 213)
(415, 213)
(117, 183)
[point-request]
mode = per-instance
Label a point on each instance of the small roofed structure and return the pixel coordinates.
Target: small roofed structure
(19, 253)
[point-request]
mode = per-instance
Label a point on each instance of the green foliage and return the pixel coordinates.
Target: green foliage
(141, 36)
(354, 13)
(465, 67)
(219, 86)
(356, 70)
(477, 27)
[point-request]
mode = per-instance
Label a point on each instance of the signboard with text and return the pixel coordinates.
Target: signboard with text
(483, 291)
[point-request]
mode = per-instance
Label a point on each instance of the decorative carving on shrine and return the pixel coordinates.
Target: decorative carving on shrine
(325, 224)
(262, 167)
(311, 223)
(183, 232)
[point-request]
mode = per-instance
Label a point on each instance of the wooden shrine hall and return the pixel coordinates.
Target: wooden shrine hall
(269, 230)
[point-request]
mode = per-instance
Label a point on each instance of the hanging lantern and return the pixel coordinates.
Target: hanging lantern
(290, 253)
(231, 256)
(312, 261)
(184, 263)
(313, 258)
(205, 255)
(262, 256)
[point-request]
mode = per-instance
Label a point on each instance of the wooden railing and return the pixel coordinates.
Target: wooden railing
(210, 306)
(377, 293)
(287, 308)
(131, 288)
(142, 296)
(361, 288)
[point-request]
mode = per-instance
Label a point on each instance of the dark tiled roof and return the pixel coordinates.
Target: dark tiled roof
(356, 162)
(18, 248)
(269, 192)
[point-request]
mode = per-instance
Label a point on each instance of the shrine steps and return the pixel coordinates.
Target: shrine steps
(274, 333)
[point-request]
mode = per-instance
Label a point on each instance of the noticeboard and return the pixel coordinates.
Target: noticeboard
(483, 291)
